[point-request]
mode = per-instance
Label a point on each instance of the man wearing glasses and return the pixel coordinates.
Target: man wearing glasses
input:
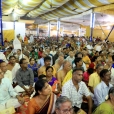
(24, 78)
(63, 105)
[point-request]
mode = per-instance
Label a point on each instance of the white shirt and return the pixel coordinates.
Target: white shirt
(53, 52)
(6, 91)
(71, 92)
(2, 57)
(90, 47)
(14, 70)
(31, 39)
(98, 48)
(8, 74)
(100, 92)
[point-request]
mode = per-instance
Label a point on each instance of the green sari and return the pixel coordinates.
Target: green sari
(104, 108)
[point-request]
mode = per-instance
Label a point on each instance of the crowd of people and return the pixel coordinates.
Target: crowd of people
(58, 76)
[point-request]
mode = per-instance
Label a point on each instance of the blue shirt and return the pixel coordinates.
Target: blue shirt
(41, 62)
(33, 67)
(100, 92)
(6, 91)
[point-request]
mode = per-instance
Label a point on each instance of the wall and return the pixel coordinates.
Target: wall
(8, 30)
(10, 33)
(20, 29)
(99, 33)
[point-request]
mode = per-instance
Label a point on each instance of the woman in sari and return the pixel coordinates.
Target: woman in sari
(52, 81)
(106, 107)
(43, 100)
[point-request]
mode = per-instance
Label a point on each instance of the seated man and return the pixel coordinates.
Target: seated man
(63, 105)
(24, 78)
(7, 73)
(13, 67)
(101, 90)
(42, 70)
(75, 89)
(8, 97)
(94, 79)
(64, 74)
(78, 62)
(41, 60)
(80, 55)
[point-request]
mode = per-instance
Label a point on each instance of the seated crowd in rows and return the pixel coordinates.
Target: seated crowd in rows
(61, 78)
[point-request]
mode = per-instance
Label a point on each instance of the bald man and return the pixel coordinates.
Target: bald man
(64, 74)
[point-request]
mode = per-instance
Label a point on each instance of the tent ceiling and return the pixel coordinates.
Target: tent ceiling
(50, 9)
(100, 18)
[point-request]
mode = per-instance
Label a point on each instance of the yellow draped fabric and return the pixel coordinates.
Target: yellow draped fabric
(55, 9)
(67, 77)
(9, 34)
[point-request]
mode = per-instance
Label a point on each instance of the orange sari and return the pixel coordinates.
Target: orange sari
(47, 108)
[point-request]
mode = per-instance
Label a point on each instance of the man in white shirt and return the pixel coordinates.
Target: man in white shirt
(89, 47)
(75, 89)
(8, 97)
(7, 73)
(2, 57)
(13, 67)
(101, 90)
(98, 47)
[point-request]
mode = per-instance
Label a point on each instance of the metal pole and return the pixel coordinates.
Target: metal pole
(109, 33)
(1, 32)
(58, 28)
(101, 27)
(92, 23)
(49, 28)
(37, 30)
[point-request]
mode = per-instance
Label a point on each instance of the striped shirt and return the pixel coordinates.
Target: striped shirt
(71, 92)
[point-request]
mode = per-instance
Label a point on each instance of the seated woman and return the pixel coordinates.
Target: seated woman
(32, 65)
(52, 81)
(43, 100)
(106, 107)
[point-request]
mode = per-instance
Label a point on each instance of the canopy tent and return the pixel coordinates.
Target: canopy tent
(50, 9)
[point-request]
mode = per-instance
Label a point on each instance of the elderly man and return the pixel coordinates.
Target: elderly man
(75, 89)
(8, 97)
(63, 105)
(64, 74)
(7, 73)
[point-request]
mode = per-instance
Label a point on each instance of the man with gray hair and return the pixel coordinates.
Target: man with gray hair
(63, 105)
